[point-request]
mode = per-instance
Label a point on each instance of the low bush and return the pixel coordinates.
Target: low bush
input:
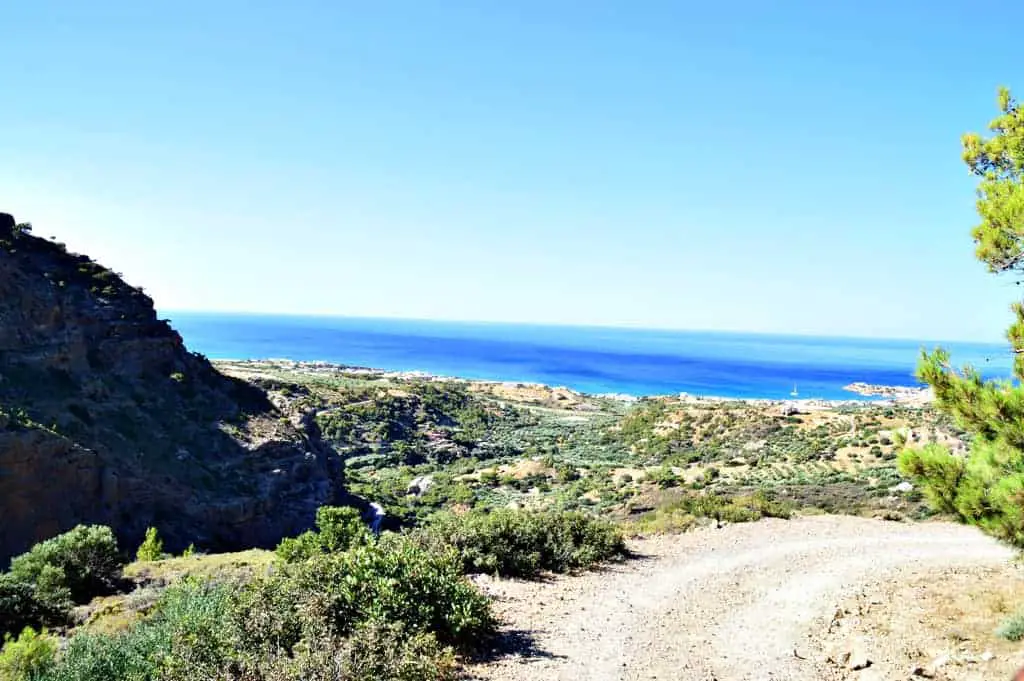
(1012, 628)
(43, 584)
(338, 529)
(393, 580)
(28, 656)
(184, 639)
(683, 512)
(85, 561)
(663, 477)
(302, 547)
(385, 610)
(103, 657)
(523, 543)
(21, 606)
(373, 653)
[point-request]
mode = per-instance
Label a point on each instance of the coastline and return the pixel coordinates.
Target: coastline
(877, 395)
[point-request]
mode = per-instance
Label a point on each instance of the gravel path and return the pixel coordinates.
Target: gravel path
(745, 602)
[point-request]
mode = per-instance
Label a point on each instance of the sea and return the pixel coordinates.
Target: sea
(598, 360)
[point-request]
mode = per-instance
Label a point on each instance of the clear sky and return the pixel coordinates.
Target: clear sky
(765, 166)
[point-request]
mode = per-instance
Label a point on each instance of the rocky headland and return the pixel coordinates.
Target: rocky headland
(898, 393)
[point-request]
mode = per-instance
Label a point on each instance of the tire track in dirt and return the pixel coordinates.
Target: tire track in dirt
(741, 603)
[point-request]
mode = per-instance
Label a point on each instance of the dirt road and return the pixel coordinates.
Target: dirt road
(744, 602)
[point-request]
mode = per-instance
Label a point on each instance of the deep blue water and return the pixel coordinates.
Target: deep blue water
(590, 359)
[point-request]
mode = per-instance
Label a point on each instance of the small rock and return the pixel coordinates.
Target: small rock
(858, 660)
(987, 656)
(931, 670)
(851, 654)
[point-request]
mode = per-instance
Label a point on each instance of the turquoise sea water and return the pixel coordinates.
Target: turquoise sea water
(591, 359)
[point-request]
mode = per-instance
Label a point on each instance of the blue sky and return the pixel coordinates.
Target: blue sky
(766, 166)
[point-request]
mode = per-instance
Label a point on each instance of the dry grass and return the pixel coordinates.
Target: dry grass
(111, 614)
(953, 613)
(242, 563)
(967, 607)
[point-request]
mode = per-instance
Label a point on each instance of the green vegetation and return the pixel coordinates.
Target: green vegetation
(1012, 628)
(83, 562)
(985, 488)
(43, 584)
(152, 547)
(494, 478)
(685, 511)
(338, 529)
(28, 656)
(334, 603)
(418, 446)
(388, 610)
(523, 543)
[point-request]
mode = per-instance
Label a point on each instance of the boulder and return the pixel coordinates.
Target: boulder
(419, 485)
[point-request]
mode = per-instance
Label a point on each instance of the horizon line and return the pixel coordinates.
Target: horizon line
(606, 326)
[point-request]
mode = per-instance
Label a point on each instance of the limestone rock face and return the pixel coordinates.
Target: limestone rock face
(106, 417)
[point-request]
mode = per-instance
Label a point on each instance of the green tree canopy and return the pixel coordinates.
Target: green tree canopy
(985, 488)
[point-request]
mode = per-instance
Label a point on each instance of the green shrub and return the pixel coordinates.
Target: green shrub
(1012, 628)
(85, 561)
(185, 639)
(663, 477)
(393, 580)
(339, 529)
(303, 547)
(23, 604)
(101, 657)
(523, 543)
(189, 630)
(373, 653)
(27, 657)
(567, 473)
(152, 547)
(681, 513)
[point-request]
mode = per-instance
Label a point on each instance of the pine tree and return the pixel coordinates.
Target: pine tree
(985, 488)
(152, 547)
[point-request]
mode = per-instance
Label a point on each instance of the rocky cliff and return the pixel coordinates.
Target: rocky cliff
(106, 417)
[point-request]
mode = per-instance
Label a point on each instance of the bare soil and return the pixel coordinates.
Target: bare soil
(795, 600)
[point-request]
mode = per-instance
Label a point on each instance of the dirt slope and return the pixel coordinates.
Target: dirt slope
(740, 603)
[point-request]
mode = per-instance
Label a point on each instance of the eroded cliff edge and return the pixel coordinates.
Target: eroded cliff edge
(106, 417)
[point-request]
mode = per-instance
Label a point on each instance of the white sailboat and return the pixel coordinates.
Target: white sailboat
(794, 393)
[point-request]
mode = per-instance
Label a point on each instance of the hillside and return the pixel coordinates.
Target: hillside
(106, 417)
(418, 444)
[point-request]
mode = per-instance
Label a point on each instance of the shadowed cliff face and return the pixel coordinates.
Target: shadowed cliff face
(105, 417)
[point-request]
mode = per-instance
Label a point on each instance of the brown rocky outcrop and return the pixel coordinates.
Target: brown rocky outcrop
(105, 417)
